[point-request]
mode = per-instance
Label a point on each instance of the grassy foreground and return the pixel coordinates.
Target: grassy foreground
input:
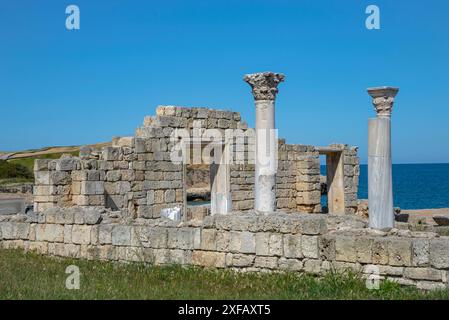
(30, 276)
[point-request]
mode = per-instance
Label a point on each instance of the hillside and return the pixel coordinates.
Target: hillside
(25, 160)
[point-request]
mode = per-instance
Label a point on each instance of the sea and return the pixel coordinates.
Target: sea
(415, 186)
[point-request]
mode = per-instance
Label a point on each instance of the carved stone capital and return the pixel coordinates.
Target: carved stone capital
(383, 100)
(264, 84)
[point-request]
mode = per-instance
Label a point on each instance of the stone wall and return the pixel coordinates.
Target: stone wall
(277, 242)
(139, 176)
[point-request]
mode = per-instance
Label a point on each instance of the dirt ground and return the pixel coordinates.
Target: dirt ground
(427, 214)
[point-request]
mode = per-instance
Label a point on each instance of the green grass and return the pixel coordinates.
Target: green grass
(30, 276)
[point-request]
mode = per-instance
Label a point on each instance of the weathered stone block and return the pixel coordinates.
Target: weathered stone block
(242, 242)
(266, 262)
(345, 249)
(50, 232)
(290, 264)
(439, 253)
(380, 251)
(92, 187)
(239, 260)
(420, 252)
(327, 247)
(400, 252)
(81, 234)
(41, 164)
(309, 245)
(105, 233)
(292, 246)
(209, 259)
(42, 177)
(208, 239)
(92, 216)
(424, 274)
(363, 248)
(67, 164)
(313, 225)
(67, 233)
(121, 235)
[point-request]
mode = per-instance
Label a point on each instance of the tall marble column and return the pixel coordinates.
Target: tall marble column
(264, 88)
(380, 186)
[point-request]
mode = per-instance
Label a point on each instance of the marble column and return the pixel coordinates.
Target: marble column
(380, 186)
(264, 89)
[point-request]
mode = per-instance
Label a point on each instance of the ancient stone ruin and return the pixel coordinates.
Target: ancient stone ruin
(128, 202)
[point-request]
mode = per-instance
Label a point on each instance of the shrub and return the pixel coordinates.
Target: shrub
(10, 170)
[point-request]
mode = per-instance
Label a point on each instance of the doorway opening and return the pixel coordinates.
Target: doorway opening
(334, 172)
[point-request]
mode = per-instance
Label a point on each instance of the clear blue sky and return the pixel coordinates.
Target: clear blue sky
(60, 87)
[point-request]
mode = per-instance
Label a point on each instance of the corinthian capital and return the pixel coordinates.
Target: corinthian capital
(264, 84)
(383, 99)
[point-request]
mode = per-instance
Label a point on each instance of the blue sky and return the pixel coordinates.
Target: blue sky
(60, 87)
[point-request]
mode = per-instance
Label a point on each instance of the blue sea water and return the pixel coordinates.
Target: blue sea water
(415, 186)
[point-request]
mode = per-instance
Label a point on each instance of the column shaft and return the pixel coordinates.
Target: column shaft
(380, 188)
(265, 169)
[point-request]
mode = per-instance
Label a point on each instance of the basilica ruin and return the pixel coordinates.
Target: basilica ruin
(128, 202)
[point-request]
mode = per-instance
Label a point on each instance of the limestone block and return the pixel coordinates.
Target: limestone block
(92, 216)
(94, 235)
(114, 175)
(39, 247)
(439, 253)
(243, 242)
(14, 230)
(266, 262)
(380, 251)
(72, 251)
(424, 274)
(42, 177)
(50, 232)
(59, 178)
(112, 154)
(67, 164)
(78, 217)
(170, 196)
(121, 235)
(223, 240)
(92, 187)
(239, 260)
(309, 245)
(420, 252)
(209, 259)
(180, 238)
(400, 252)
(290, 264)
(327, 247)
(79, 175)
(292, 246)
(180, 257)
(107, 252)
(428, 285)
(105, 233)
(312, 266)
(81, 234)
(313, 225)
(157, 237)
(208, 237)
(363, 248)
(41, 164)
(345, 249)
